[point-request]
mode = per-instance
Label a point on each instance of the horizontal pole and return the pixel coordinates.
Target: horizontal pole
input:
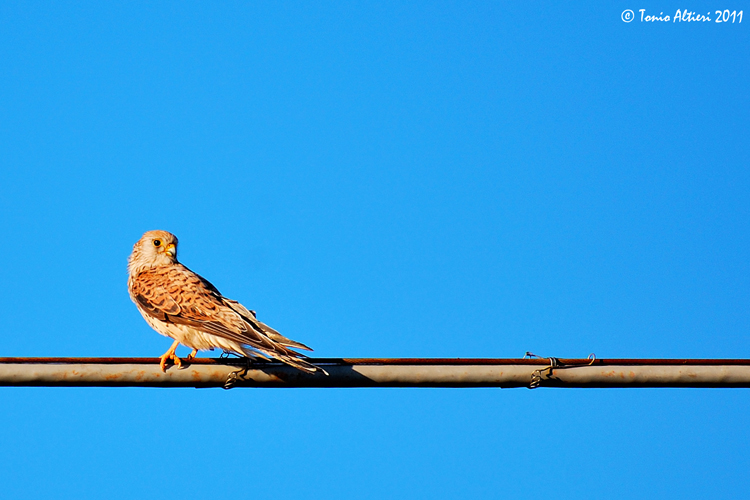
(345, 372)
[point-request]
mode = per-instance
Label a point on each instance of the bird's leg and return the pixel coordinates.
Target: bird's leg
(170, 354)
(192, 355)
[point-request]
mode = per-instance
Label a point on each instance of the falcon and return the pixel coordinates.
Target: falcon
(178, 303)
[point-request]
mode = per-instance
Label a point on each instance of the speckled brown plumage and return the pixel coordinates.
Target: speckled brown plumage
(180, 304)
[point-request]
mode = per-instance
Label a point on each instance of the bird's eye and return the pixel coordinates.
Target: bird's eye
(157, 243)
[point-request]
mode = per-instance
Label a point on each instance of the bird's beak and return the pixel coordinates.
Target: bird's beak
(171, 250)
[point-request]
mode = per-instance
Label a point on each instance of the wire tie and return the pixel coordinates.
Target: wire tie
(231, 380)
(545, 373)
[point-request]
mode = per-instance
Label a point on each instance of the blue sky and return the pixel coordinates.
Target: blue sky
(437, 179)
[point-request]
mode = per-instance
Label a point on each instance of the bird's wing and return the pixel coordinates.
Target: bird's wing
(178, 295)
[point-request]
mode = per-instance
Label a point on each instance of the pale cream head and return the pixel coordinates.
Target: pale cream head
(154, 249)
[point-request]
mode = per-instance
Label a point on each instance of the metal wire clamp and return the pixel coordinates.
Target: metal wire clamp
(546, 373)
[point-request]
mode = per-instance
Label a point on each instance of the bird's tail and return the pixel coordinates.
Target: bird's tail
(281, 345)
(286, 356)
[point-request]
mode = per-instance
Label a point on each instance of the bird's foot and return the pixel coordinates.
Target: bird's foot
(169, 355)
(192, 355)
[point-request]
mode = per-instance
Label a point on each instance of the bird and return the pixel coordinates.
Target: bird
(178, 303)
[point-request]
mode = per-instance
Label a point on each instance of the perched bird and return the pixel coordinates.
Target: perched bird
(179, 304)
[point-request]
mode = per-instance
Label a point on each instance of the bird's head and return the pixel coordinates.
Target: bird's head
(154, 249)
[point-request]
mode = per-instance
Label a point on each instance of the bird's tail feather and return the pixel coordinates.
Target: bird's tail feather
(281, 344)
(294, 361)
